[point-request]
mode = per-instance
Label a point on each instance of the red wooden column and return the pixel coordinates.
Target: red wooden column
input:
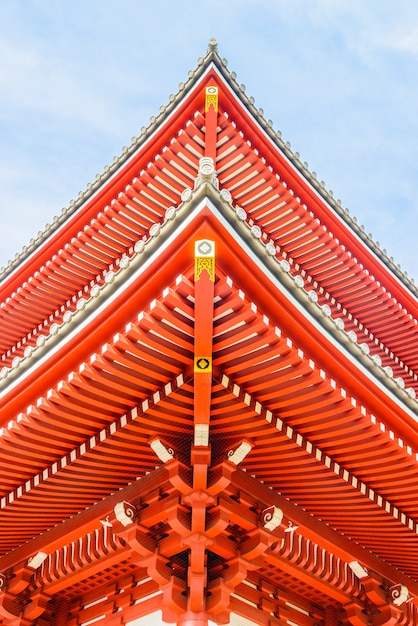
(211, 121)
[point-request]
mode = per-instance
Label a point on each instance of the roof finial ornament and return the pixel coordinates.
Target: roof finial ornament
(213, 45)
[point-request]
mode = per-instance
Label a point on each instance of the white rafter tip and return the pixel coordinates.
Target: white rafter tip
(313, 296)
(364, 347)
(4, 372)
(238, 455)
(271, 249)
(299, 282)
(36, 561)
(358, 569)
(285, 266)
(28, 352)
(326, 310)
(352, 336)
(110, 277)
(400, 382)
(164, 454)
(16, 361)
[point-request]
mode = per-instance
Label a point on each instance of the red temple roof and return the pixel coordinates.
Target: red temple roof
(310, 335)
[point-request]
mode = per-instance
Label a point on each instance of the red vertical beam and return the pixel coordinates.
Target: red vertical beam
(211, 121)
(204, 282)
(204, 278)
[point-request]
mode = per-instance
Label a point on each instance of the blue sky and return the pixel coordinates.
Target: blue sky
(339, 79)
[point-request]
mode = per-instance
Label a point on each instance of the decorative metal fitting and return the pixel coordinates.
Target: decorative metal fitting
(399, 594)
(37, 560)
(238, 455)
(164, 454)
(125, 513)
(358, 569)
(271, 517)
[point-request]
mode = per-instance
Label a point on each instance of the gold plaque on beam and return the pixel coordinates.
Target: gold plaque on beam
(204, 258)
(211, 98)
(203, 365)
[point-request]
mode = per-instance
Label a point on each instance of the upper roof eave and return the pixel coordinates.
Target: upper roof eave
(213, 60)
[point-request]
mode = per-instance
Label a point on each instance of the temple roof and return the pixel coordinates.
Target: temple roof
(308, 227)
(315, 357)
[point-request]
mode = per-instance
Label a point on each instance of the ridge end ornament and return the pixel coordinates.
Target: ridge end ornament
(206, 173)
(204, 259)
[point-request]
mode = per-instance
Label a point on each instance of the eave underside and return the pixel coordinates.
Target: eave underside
(312, 442)
(336, 455)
